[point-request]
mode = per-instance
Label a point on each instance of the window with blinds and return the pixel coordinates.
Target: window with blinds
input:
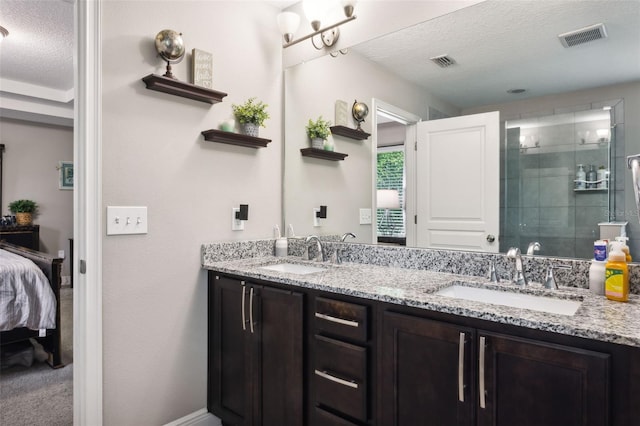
(390, 175)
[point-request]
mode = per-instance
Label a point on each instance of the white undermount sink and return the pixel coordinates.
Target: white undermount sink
(547, 304)
(293, 268)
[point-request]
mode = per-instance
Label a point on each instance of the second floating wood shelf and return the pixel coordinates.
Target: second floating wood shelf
(322, 154)
(180, 88)
(348, 132)
(231, 138)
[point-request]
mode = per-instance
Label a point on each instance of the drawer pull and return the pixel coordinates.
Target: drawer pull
(483, 402)
(338, 320)
(251, 309)
(244, 320)
(461, 368)
(328, 376)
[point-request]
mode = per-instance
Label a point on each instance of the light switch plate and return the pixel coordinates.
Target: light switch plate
(127, 220)
(365, 216)
(236, 224)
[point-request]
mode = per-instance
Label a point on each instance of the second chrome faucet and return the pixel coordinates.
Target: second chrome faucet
(518, 276)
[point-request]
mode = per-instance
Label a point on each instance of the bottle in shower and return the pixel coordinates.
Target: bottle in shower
(592, 176)
(581, 177)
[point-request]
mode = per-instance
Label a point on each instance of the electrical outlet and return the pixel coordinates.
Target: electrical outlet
(236, 224)
(365, 216)
(61, 254)
(316, 219)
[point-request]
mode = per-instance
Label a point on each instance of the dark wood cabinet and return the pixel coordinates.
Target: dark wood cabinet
(531, 383)
(255, 353)
(285, 355)
(24, 236)
(461, 376)
(427, 372)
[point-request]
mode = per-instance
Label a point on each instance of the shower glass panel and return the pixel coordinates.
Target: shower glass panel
(542, 198)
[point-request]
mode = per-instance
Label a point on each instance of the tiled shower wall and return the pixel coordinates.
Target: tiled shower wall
(538, 201)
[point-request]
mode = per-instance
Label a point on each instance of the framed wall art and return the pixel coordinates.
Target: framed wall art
(65, 168)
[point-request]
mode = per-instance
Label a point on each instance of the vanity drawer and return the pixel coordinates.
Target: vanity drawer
(342, 319)
(340, 377)
(325, 418)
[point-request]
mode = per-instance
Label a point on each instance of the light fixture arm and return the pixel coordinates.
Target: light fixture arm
(320, 31)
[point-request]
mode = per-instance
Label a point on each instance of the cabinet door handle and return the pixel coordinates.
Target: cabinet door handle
(481, 373)
(251, 309)
(461, 368)
(337, 320)
(335, 379)
(244, 321)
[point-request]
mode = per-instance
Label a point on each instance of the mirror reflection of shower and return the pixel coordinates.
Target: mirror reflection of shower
(558, 184)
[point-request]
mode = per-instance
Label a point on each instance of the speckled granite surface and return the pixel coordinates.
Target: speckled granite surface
(411, 277)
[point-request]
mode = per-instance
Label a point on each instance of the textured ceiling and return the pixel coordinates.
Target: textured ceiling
(505, 44)
(39, 48)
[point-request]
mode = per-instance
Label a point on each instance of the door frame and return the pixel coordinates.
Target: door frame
(410, 120)
(87, 199)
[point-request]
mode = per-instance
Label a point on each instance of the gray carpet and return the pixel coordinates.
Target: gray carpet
(39, 395)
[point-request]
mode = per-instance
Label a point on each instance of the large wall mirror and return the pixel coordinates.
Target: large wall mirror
(496, 48)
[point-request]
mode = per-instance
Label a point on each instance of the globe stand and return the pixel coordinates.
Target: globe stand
(359, 112)
(169, 74)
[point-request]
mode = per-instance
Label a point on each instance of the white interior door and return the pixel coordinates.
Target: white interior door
(457, 183)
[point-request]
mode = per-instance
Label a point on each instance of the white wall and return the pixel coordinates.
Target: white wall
(154, 291)
(311, 90)
(32, 152)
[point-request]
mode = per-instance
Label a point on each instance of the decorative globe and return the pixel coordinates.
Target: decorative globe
(170, 46)
(359, 111)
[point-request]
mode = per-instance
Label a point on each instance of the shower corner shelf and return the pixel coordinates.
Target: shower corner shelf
(231, 138)
(591, 190)
(322, 154)
(348, 132)
(175, 87)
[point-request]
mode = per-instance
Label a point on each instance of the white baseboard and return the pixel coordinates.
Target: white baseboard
(198, 418)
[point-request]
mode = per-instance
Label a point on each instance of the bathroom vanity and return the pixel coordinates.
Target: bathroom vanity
(360, 344)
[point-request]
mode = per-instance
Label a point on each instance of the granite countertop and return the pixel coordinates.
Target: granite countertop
(597, 318)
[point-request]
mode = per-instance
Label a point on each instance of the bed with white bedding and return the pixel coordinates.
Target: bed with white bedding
(30, 298)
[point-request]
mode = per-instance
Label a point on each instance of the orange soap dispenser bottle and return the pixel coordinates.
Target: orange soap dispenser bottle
(616, 285)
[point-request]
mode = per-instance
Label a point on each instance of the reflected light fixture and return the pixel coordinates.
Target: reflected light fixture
(3, 33)
(315, 12)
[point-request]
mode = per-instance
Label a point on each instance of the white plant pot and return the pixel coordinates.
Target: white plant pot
(249, 129)
(317, 143)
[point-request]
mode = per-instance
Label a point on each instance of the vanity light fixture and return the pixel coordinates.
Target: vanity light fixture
(315, 11)
(3, 33)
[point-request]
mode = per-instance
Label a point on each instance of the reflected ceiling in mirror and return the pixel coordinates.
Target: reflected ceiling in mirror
(496, 46)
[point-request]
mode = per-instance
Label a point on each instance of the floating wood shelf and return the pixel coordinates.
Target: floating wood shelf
(182, 89)
(348, 132)
(322, 154)
(231, 138)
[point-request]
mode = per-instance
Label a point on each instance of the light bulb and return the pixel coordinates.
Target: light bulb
(348, 6)
(315, 11)
(288, 23)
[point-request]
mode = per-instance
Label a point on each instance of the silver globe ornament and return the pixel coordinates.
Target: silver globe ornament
(170, 47)
(359, 111)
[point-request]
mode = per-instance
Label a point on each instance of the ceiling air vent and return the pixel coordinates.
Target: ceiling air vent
(583, 35)
(443, 61)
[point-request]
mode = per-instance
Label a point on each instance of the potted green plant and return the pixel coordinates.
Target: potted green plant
(318, 131)
(250, 115)
(24, 210)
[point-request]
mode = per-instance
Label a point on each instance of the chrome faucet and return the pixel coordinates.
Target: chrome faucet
(534, 246)
(337, 256)
(518, 276)
(347, 234)
(320, 256)
(550, 281)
